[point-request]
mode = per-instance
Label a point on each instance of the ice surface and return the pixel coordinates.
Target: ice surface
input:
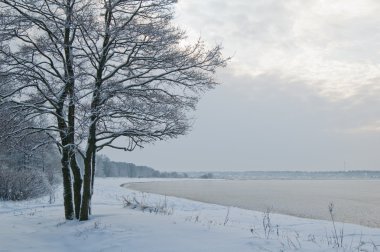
(355, 201)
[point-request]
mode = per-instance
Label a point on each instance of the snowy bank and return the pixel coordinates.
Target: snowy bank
(36, 225)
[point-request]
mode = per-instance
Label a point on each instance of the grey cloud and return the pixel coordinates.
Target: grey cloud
(301, 92)
(331, 45)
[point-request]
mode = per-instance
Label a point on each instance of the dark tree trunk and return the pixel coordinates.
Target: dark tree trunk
(67, 192)
(93, 164)
(86, 197)
(73, 161)
(77, 184)
(90, 156)
(69, 74)
(87, 178)
(65, 161)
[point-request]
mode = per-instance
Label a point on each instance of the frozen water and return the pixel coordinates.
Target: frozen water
(355, 201)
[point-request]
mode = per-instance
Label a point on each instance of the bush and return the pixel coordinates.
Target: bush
(207, 176)
(22, 184)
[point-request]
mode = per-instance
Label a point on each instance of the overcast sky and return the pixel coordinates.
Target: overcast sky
(302, 91)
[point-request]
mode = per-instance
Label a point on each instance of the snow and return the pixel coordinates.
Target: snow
(36, 225)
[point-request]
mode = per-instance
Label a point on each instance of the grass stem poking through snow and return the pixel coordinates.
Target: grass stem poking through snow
(338, 238)
(227, 218)
(134, 203)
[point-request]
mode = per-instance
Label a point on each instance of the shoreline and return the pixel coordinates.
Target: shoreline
(280, 196)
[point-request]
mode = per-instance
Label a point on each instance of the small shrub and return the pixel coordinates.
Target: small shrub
(267, 224)
(22, 184)
(158, 208)
(207, 176)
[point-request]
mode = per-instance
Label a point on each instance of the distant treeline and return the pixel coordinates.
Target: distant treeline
(288, 175)
(107, 168)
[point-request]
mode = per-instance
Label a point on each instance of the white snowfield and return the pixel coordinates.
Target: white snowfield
(184, 226)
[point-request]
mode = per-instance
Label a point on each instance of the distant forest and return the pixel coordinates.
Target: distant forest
(107, 168)
(324, 175)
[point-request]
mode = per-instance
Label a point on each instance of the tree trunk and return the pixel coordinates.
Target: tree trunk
(65, 161)
(87, 178)
(86, 198)
(67, 192)
(93, 164)
(77, 184)
(69, 74)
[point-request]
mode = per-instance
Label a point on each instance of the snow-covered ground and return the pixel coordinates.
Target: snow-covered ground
(186, 225)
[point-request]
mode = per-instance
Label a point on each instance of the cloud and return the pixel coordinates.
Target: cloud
(370, 128)
(331, 46)
(301, 92)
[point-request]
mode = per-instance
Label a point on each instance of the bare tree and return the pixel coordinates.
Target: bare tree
(38, 62)
(104, 70)
(143, 79)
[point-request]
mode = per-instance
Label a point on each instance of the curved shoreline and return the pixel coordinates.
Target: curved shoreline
(355, 201)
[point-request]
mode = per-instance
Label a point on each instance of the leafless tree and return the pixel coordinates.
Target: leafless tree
(37, 60)
(104, 70)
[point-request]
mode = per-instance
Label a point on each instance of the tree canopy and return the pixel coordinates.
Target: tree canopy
(97, 71)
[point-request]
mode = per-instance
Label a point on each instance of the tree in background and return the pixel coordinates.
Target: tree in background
(27, 162)
(103, 70)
